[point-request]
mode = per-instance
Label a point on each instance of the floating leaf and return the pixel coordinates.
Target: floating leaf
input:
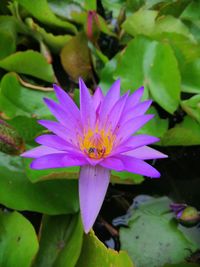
(141, 64)
(19, 243)
(62, 247)
(153, 220)
(186, 133)
(41, 11)
(94, 254)
(49, 197)
(29, 62)
(192, 107)
(16, 99)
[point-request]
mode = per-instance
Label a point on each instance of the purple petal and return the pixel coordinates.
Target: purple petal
(65, 100)
(136, 111)
(60, 160)
(138, 166)
(115, 113)
(97, 98)
(54, 141)
(109, 101)
(131, 126)
(39, 152)
(134, 142)
(145, 153)
(112, 163)
(93, 184)
(135, 98)
(60, 130)
(87, 110)
(62, 115)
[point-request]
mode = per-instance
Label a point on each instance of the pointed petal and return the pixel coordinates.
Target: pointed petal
(134, 142)
(115, 114)
(87, 110)
(66, 101)
(60, 160)
(97, 98)
(109, 101)
(54, 141)
(60, 130)
(112, 163)
(39, 152)
(136, 111)
(145, 153)
(138, 166)
(135, 98)
(131, 126)
(62, 115)
(93, 184)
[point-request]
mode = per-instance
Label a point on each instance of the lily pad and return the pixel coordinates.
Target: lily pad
(19, 242)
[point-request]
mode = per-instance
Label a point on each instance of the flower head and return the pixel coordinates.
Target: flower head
(99, 137)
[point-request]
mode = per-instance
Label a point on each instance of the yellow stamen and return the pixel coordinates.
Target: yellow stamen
(97, 143)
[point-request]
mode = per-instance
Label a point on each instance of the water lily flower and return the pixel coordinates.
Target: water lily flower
(99, 137)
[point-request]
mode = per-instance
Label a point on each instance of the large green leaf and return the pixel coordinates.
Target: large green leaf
(6, 38)
(186, 133)
(60, 241)
(29, 62)
(41, 11)
(141, 64)
(19, 242)
(16, 100)
(49, 197)
(94, 254)
(153, 231)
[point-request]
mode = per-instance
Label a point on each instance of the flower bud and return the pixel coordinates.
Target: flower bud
(92, 27)
(189, 216)
(10, 142)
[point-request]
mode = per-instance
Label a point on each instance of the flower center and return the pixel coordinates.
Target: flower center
(97, 144)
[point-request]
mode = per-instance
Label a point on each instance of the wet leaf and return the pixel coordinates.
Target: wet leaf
(186, 133)
(17, 100)
(41, 11)
(49, 197)
(29, 62)
(75, 58)
(94, 254)
(62, 247)
(152, 219)
(141, 65)
(19, 242)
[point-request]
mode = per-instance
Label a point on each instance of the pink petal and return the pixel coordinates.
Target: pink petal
(93, 184)
(138, 166)
(39, 152)
(66, 101)
(109, 101)
(87, 110)
(60, 160)
(112, 163)
(145, 153)
(97, 98)
(135, 98)
(131, 126)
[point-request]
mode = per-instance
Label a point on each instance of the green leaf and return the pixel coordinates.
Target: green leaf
(17, 100)
(141, 64)
(54, 42)
(165, 242)
(49, 197)
(94, 254)
(6, 38)
(60, 241)
(42, 12)
(190, 76)
(155, 127)
(126, 177)
(186, 133)
(19, 242)
(29, 62)
(192, 107)
(90, 5)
